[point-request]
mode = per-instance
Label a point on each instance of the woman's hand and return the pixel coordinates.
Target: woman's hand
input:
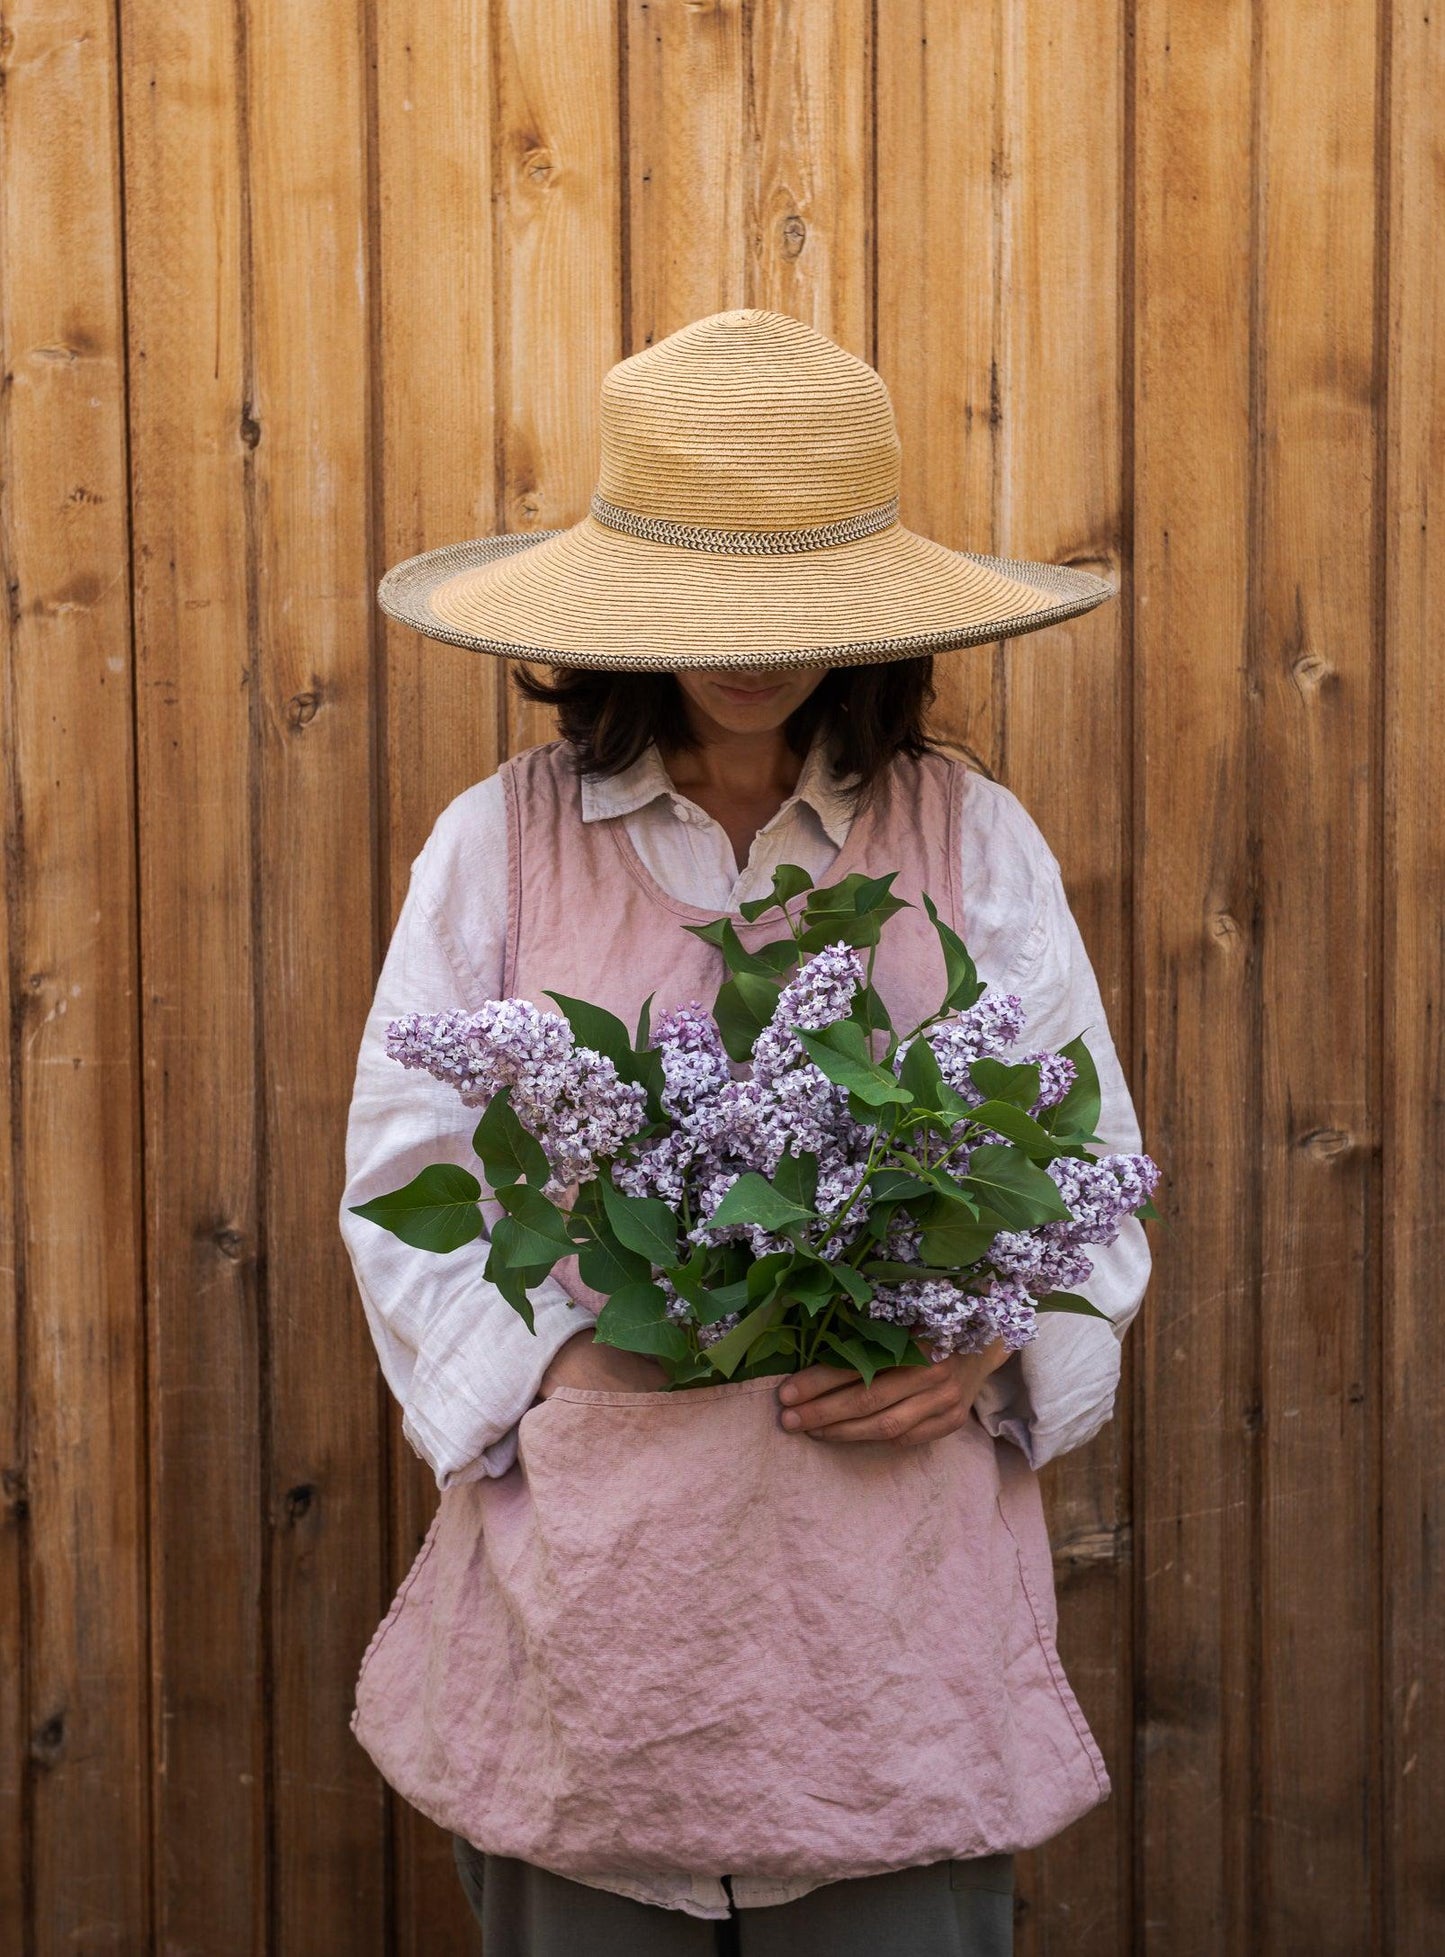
(904, 1404)
(600, 1368)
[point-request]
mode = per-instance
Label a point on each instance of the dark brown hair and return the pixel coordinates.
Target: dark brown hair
(866, 714)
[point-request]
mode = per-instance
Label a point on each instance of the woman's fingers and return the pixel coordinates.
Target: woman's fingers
(899, 1422)
(813, 1380)
(852, 1404)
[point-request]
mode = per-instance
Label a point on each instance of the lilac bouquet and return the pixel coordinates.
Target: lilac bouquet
(785, 1179)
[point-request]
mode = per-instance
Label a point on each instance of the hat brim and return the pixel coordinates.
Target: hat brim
(593, 596)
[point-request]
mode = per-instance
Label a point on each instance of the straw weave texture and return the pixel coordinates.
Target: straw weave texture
(745, 514)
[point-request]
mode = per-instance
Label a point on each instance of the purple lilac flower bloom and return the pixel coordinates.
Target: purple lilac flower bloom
(694, 1064)
(985, 1031)
(988, 1028)
(1056, 1076)
(821, 992)
(1100, 1196)
(951, 1317)
(571, 1098)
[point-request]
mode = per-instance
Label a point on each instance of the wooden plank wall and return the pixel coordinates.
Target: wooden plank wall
(1156, 290)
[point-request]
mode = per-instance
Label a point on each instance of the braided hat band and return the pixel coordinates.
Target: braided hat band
(746, 514)
(692, 536)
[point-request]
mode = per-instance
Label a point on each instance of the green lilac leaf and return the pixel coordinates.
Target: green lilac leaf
(644, 1024)
(641, 1223)
(531, 1235)
(744, 1006)
(765, 1275)
(852, 1281)
(509, 1153)
(514, 1283)
(606, 1266)
(1006, 1119)
(436, 1210)
(1078, 1112)
(796, 1177)
(863, 1359)
(727, 1355)
(1005, 1179)
(753, 1199)
(595, 1027)
(920, 1074)
(961, 974)
(635, 1319)
(1068, 1301)
(1016, 1082)
(831, 1055)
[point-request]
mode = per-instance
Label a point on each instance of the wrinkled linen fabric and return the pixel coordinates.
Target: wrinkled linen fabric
(652, 1640)
(458, 1359)
(676, 1638)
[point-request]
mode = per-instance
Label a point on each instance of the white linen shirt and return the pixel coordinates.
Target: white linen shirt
(459, 1360)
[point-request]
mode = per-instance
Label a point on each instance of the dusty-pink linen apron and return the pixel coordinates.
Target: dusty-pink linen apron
(674, 1637)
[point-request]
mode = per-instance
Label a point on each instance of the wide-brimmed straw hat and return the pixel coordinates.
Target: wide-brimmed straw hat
(746, 514)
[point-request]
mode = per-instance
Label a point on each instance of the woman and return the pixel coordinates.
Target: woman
(740, 634)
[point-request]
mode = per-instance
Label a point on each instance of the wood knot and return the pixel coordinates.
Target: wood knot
(250, 429)
(299, 1500)
(1311, 673)
(792, 235)
(1325, 1144)
(48, 1740)
(301, 709)
(229, 1241)
(537, 167)
(1087, 1549)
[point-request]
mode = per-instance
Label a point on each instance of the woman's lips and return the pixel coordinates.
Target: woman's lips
(747, 693)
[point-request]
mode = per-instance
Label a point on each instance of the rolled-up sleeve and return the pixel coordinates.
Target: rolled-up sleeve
(1057, 1392)
(457, 1357)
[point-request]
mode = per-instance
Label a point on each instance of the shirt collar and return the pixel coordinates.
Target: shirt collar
(647, 779)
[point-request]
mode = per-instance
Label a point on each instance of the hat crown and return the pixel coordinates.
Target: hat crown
(747, 420)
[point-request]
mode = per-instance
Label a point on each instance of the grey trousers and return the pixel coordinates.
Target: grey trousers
(943, 1909)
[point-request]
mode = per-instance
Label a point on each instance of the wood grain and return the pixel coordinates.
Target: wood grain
(939, 183)
(558, 194)
(1156, 290)
(1313, 630)
(311, 734)
(75, 1861)
(1196, 952)
(193, 436)
(1059, 347)
(1412, 498)
(807, 144)
(687, 252)
(439, 709)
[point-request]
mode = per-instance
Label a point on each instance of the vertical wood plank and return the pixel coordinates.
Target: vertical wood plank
(1067, 753)
(807, 136)
(192, 440)
(1413, 1913)
(558, 202)
(75, 1785)
(1197, 953)
(939, 182)
(439, 709)
(687, 169)
(440, 725)
(306, 143)
(14, 1508)
(1316, 630)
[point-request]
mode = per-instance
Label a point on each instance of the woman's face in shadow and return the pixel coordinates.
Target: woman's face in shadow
(737, 701)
